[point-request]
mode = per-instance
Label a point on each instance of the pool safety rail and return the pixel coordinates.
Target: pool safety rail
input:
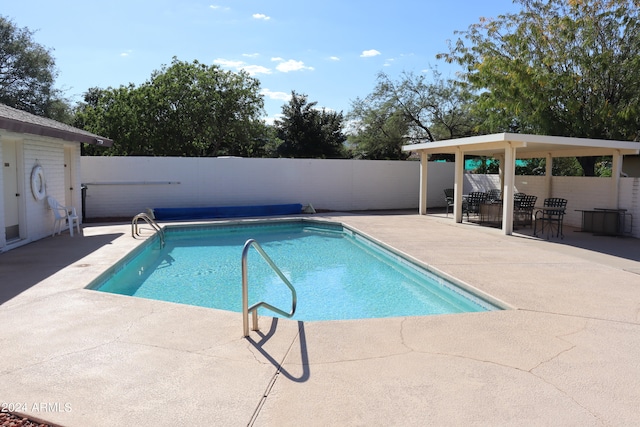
(151, 222)
(245, 290)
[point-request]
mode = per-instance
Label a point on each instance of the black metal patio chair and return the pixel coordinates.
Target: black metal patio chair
(494, 195)
(523, 210)
(550, 217)
(448, 197)
(473, 202)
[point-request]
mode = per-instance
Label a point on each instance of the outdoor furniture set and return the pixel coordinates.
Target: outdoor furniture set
(487, 208)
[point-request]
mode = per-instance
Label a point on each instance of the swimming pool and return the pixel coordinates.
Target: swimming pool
(338, 273)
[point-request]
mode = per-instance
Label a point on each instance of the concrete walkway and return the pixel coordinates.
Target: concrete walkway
(568, 353)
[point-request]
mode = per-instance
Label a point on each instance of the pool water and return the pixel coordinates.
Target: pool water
(337, 273)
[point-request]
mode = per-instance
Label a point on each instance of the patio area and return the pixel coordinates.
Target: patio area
(566, 353)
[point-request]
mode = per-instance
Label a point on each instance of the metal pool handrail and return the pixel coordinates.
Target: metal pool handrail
(245, 290)
(152, 223)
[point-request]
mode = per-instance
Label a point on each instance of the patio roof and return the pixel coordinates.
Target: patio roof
(527, 146)
(511, 146)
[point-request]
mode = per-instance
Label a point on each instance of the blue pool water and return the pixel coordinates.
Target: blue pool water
(337, 273)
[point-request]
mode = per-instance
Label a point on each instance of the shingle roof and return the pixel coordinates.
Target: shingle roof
(22, 122)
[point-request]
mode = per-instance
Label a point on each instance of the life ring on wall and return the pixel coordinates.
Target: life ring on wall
(38, 182)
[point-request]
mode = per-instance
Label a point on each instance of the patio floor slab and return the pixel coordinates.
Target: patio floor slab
(566, 353)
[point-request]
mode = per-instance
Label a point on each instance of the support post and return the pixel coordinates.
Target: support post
(458, 185)
(548, 176)
(509, 172)
(424, 160)
(616, 170)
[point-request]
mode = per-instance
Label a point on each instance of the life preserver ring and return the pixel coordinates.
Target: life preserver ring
(38, 183)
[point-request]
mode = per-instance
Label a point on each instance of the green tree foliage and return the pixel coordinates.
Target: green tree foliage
(305, 131)
(409, 110)
(186, 109)
(558, 67)
(27, 74)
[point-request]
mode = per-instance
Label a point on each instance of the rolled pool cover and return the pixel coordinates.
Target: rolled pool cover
(175, 214)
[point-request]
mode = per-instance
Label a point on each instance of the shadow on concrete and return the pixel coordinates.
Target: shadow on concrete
(617, 246)
(26, 266)
(624, 247)
(304, 356)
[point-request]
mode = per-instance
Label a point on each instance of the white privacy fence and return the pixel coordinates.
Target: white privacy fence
(124, 186)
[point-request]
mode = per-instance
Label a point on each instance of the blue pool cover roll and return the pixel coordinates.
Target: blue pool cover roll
(225, 211)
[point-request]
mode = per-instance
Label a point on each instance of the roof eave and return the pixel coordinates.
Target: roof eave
(18, 126)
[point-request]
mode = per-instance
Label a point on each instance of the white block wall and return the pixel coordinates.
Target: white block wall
(125, 186)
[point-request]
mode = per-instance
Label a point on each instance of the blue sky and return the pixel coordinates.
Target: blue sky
(330, 50)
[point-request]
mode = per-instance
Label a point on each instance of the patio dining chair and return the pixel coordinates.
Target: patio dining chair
(523, 209)
(448, 197)
(494, 195)
(473, 202)
(550, 217)
(63, 215)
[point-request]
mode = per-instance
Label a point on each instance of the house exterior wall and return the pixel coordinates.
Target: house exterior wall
(126, 186)
(36, 217)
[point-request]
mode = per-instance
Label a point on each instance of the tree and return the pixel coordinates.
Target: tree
(27, 74)
(305, 131)
(186, 109)
(559, 67)
(410, 110)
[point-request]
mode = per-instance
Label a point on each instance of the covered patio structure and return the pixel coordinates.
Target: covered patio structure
(507, 147)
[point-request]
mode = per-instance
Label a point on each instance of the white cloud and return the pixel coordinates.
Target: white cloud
(216, 7)
(277, 59)
(126, 53)
(250, 55)
(292, 65)
(369, 53)
(228, 63)
(282, 96)
(334, 58)
(261, 16)
(271, 120)
(241, 65)
(254, 70)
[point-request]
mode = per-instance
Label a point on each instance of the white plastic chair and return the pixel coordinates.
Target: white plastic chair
(63, 215)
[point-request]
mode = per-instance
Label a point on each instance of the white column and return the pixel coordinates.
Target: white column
(458, 185)
(548, 176)
(500, 159)
(616, 170)
(422, 210)
(509, 172)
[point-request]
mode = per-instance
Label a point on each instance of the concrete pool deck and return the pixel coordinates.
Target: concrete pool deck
(568, 353)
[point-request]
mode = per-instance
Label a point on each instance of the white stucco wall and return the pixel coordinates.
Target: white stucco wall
(125, 186)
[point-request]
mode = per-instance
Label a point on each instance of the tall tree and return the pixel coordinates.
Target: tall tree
(558, 67)
(411, 109)
(186, 109)
(305, 131)
(27, 74)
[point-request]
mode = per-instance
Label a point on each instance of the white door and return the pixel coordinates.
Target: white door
(11, 192)
(68, 177)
